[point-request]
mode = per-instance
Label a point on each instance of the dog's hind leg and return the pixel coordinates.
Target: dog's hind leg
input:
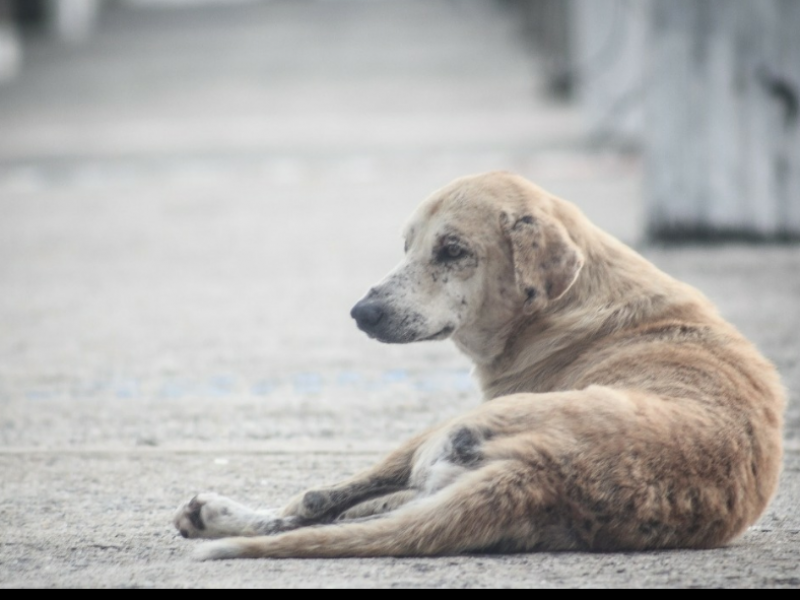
(494, 508)
(390, 476)
(380, 506)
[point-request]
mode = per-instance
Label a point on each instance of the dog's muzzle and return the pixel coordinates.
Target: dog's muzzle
(382, 321)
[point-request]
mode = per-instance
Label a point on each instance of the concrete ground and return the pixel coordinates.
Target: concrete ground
(191, 203)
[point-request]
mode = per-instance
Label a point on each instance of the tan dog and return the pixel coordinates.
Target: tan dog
(623, 413)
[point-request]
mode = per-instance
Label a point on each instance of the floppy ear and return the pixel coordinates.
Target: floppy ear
(546, 261)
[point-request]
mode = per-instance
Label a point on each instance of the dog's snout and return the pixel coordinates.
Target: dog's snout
(367, 314)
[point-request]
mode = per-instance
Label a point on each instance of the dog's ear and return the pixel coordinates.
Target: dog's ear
(546, 261)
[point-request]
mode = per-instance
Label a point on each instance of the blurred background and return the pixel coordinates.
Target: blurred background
(193, 193)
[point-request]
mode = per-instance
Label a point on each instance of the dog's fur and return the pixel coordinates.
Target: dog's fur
(622, 412)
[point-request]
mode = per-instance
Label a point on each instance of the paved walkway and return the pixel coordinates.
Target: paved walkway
(192, 201)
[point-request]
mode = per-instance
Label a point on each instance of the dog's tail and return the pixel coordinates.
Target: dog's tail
(488, 509)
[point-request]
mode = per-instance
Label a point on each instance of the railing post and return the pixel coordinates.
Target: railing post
(73, 20)
(723, 119)
(10, 46)
(609, 49)
(546, 26)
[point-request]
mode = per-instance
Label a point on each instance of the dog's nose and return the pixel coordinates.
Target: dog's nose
(367, 314)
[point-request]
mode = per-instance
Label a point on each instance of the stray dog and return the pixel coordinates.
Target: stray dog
(622, 412)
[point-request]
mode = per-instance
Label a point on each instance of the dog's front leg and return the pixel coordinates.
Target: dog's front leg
(210, 516)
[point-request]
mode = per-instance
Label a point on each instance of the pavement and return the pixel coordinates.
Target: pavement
(192, 201)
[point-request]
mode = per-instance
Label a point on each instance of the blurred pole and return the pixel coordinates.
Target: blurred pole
(546, 25)
(724, 119)
(609, 47)
(10, 46)
(73, 20)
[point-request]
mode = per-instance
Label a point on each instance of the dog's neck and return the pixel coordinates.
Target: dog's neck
(617, 289)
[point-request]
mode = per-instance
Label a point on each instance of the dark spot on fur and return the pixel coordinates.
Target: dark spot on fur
(527, 219)
(197, 520)
(265, 527)
(677, 332)
(408, 239)
(531, 293)
(184, 533)
(466, 447)
(225, 512)
(315, 502)
(275, 526)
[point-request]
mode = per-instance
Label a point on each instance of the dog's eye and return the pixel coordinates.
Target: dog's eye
(451, 252)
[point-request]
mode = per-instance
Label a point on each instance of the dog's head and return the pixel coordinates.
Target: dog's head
(478, 254)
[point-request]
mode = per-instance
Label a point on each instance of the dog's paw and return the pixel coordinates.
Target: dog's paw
(210, 516)
(199, 518)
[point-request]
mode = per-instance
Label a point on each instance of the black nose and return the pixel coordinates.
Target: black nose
(367, 314)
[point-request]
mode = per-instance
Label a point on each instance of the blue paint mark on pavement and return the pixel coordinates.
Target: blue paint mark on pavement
(349, 378)
(221, 385)
(263, 388)
(396, 376)
(308, 383)
(173, 390)
(126, 390)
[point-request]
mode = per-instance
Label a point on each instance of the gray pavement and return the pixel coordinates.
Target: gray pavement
(190, 204)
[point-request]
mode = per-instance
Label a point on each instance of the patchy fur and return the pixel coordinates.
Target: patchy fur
(622, 412)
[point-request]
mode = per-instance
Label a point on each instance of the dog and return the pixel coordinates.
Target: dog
(622, 413)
